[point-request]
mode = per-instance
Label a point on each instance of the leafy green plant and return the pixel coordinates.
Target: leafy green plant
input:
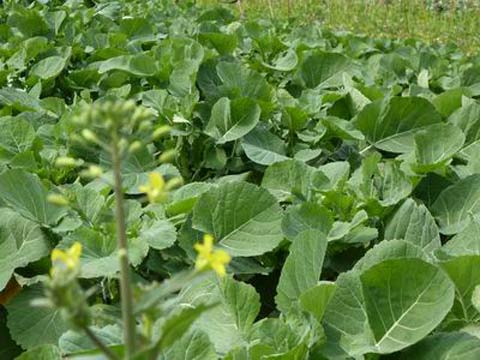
(330, 181)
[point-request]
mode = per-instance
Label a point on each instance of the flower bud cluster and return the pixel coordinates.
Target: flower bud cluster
(63, 289)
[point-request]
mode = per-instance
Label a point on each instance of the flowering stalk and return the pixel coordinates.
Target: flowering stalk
(125, 288)
(66, 293)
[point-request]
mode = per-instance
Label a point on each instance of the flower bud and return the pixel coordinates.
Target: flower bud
(57, 199)
(89, 135)
(135, 146)
(174, 183)
(66, 161)
(128, 106)
(93, 172)
(145, 125)
(122, 145)
(168, 156)
(137, 115)
(161, 131)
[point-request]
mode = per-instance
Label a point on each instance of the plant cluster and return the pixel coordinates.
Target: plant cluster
(432, 21)
(180, 183)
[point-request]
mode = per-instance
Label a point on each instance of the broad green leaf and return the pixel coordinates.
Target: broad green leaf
(391, 249)
(99, 256)
(31, 327)
(8, 348)
(230, 120)
(391, 124)
(357, 100)
(298, 352)
(25, 193)
(182, 79)
(476, 298)
(306, 216)
(138, 65)
(341, 229)
(342, 129)
(307, 155)
(384, 183)
(448, 101)
(464, 243)
(21, 242)
(413, 222)
(274, 337)
(177, 324)
(395, 184)
(360, 235)
(49, 67)
(42, 352)
(320, 67)
(28, 21)
(73, 342)
(345, 318)
(337, 172)
(263, 147)
(238, 353)
(159, 234)
(405, 299)
(193, 345)
(465, 274)
(238, 306)
(437, 144)
(294, 118)
(19, 100)
(89, 202)
(467, 118)
(240, 81)
(302, 268)
(455, 204)
(244, 219)
(422, 78)
(456, 345)
(17, 135)
(184, 199)
(388, 307)
(316, 299)
(285, 62)
(292, 177)
(223, 43)
(430, 187)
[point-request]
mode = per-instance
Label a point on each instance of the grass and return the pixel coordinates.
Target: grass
(384, 18)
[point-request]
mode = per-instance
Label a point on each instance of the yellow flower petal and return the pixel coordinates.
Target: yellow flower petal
(201, 263)
(58, 254)
(208, 241)
(76, 250)
(219, 269)
(69, 259)
(156, 180)
(209, 259)
(221, 256)
(155, 188)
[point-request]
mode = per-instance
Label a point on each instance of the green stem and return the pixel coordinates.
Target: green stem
(125, 289)
(108, 353)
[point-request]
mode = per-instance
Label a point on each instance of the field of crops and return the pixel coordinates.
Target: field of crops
(179, 182)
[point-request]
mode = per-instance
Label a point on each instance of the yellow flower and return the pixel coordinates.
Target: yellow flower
(69, 259)
(209, 259)
(155, 188)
